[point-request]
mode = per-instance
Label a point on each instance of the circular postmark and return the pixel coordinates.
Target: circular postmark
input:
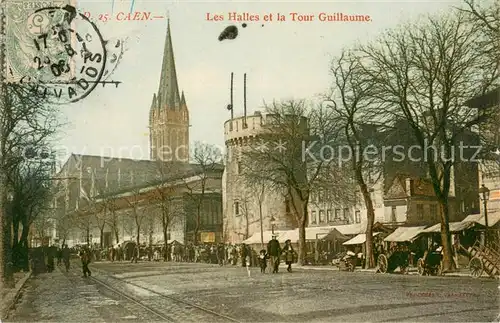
(61, 55)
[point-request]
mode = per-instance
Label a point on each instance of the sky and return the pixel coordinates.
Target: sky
(283, 60)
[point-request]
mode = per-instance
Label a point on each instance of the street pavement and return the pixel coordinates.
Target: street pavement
(303, 295)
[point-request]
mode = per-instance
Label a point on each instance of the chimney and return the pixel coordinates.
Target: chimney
(409, 186)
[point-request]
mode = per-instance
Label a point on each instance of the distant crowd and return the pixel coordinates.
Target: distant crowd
(44, 259)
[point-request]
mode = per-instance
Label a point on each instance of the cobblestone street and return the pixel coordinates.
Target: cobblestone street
(192, 291)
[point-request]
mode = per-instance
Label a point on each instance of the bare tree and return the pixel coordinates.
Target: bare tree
(425, 73)
(293, 156)
(207, 162)
(351, 99)
(25, 121)
(137, 212)
(165, 199)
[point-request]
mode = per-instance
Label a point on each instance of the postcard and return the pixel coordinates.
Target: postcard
(249, 161)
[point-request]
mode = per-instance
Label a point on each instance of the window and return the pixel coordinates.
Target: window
(237, 208)
(393, 214)
(321, 196)
(337, 214)
(287, 206)
(329, 215)
(322, 216)
(313, 217)
(346, 214)
(357, 216)
(239, 167)
(420, 211)
(434, 211)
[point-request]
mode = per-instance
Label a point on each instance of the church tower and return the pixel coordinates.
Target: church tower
(169, 116)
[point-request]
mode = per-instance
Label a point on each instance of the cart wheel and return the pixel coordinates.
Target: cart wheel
(420, 267)
(382, 263)
(350, 266)
(476, 267)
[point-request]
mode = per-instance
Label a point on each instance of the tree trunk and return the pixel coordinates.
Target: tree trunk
(8, 278)
(115, 229)
(101, 236)
(261, 225)
(370, 215)
(448, 263)
(165, 240)
(301, 216)
(197, 224)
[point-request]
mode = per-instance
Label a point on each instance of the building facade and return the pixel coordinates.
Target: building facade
(489, 170)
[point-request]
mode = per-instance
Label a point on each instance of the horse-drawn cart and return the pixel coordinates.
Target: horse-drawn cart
(398, 254)
(484, 259)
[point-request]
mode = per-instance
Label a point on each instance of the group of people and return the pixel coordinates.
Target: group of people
(43, 259)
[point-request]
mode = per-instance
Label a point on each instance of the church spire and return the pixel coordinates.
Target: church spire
(183, 99)
(168, 92)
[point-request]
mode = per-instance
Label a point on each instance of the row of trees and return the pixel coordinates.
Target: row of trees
(422, 73)
(25, 184)
(173, 195)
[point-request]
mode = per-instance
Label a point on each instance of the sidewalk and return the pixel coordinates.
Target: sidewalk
(10, 295)
(54, 297)
(463, 272)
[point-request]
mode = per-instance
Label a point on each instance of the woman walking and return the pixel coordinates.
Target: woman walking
(289, 254)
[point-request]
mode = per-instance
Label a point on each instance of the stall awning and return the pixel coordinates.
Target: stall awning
(359, 239)
(493, 218)
(404, 234)
(454, 227)
(324, 233)
(350, 229)
(255, 238)
(334, 235)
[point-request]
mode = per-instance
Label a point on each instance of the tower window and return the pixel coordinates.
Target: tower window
(237, 208)
(239, 167)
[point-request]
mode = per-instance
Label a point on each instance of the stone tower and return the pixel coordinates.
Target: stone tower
(169, 116)
(248, 210)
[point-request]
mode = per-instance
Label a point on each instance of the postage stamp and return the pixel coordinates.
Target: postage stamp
(55, 50)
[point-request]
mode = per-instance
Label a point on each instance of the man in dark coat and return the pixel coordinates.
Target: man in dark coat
(274, 252)
(66, 255)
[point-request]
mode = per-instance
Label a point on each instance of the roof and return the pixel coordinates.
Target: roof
(398, 188)
(359, 239)
(404, 234)
(493, 218)
(454, 227)
(486, 100)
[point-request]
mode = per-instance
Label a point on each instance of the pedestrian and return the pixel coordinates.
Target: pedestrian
(51, 253)
(59, 256)
(289, 254)
(247, 259)
(263, 261)
(244, 254)
(274, 252)
(66, 255)
(221, 253)
(85, 257)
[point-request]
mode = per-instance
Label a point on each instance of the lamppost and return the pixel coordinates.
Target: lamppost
(484, 194)
(273, 222)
